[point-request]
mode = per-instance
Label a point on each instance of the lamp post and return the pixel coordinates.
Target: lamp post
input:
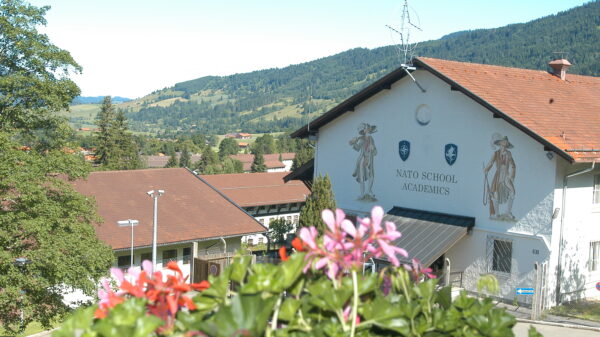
(154, 194)
(129, 223)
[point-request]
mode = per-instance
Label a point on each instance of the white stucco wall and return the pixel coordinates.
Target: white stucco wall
(459, 120)
(204, 247)
(266, 220)
(581, 220)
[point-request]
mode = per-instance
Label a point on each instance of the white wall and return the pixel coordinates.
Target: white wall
(581, 220)
(204, 247)
(455, 119)
(266, 220)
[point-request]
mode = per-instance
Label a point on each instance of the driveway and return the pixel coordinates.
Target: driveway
(521, 330)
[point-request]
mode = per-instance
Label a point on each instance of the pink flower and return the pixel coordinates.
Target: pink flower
(346, 246)
(417, 270)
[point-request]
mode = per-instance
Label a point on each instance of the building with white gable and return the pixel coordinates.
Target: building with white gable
(492, 168)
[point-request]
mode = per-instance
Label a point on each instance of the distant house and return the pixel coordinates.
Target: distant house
(194, 219)
(266, 196)
(243, 145)
(242, 135)
(271, 161)
(160, 160)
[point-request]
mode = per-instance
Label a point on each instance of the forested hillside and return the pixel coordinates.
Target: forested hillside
(280, 99)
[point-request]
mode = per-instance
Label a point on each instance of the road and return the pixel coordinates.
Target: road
(521, 329)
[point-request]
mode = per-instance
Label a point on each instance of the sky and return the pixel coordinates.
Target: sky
(130, 48)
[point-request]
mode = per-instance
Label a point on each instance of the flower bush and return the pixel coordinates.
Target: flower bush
(316, 291)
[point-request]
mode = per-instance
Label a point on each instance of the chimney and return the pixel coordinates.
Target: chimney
(560, 67)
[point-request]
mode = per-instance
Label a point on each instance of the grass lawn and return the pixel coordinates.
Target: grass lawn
(589, 310)
(31, 329)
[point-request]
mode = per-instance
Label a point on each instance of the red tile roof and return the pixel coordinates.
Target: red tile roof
(257, 189)
(562, 115)
(190, 209)
(271, 160)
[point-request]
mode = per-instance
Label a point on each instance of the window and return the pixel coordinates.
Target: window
(596, 189)
(124, 261)
(250, 242)
(260, 240)
(262, 221)
(187, 255)
(500, 251)
(296, 218)
(288, 218)
(594, 255)
(169, 255)
(147, 256)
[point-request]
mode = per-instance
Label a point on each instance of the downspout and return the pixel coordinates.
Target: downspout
(562, 226)
(224, 244)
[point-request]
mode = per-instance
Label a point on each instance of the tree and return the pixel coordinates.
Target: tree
(258, 164)
(172, 162)
(319, 199)
(304, 154)
(264, 143)
(186, 157)
(42, 219)
(228, 146)
(209, 157)
(34, 73)
(116, 148)
(105, 137)
(278, 230)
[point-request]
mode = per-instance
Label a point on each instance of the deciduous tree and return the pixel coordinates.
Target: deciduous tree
(42, 219)
(228, 146)
(34, 80)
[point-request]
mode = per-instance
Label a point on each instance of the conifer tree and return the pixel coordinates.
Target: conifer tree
(258, 165)
(185, 159)
(104, 137)
(320, 198)
(116, 148)
(173, 162)
(304, 154)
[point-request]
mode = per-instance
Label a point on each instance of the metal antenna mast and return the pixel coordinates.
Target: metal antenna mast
(404, 47)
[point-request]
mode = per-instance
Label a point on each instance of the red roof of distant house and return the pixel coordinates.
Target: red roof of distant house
(190, 209)
(242, 134)
(271, 160)
(257, 189)
(563, 115)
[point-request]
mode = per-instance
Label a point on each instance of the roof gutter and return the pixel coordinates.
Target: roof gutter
(562, 226)
(494, 110)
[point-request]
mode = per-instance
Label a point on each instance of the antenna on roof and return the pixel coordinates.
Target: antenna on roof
(563, 54)
(404, 47)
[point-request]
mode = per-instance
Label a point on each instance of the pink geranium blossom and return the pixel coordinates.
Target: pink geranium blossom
(346, 246)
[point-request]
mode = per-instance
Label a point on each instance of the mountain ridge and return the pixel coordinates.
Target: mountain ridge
(278, 99)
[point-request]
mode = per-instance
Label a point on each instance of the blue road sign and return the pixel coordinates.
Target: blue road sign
(525, 291)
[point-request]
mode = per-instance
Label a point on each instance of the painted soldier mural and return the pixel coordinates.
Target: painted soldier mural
(500, 194)
(364, 171)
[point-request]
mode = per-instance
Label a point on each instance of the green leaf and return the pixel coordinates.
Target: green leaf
(240, 268)
(247, 313)
(289, 309)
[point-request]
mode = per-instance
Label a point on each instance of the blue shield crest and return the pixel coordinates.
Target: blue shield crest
(451, 153)
(404, 149)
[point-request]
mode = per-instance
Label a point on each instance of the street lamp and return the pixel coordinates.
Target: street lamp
(154, 194)
(129, 223)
